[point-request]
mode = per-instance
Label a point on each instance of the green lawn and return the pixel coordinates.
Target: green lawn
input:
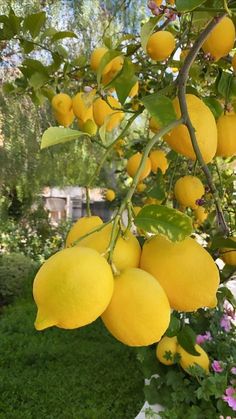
(79, 374)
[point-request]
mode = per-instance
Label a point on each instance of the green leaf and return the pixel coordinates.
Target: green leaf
(221, 242)
(147, 30)
(62, 35)
(224, 84)
(161, 108)
(34, 22)
(174, 327)
(34, 66)
(214, 106)
(107, 57)
(187, 5)
(124, 82)
(14, 22)
(37, 80)
(62, 51)
(57, 135)
(27, 46)
(8, 88)
(159, 190)
(163, 220)
(187, 339)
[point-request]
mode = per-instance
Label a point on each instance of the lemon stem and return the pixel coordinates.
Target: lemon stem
(88, 209)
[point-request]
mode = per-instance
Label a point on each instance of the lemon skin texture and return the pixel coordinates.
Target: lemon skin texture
(82, 106)
(62, 103)
(110, 195)
(96, 58)
(166, 344)
(226, 128)
(221, 40)
(229, 255)
(204, 124)
(139, 311)
(72, 289)
(187, 360)
(160, 45)
(104, 114)
(81, 227)
(158, 161)
(133, 165)
(187, 190)
(184, 269)
(200, 214)
(64, 119)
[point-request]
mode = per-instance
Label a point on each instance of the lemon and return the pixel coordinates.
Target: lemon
(184, 269)
(160, 45)
(158, 161)
(110, 195)
(115, 65)
(96, 58)
(62, 103)
(226, 128)
(136, 210)
(205, 130)
(82, 226)
(141, 187)
(221, 39)
(134, 91)
(65, 119)
(187, 360)
(229, 255)
(72, 289)
(151, 201)
(133, 165)
(127, 249)
(82, 105)
(139, 311)
(187, 190)
(154, 126)
(166, 350)
(184, 54)
(158, 2)
(200, 214)
(89, 126)
(104, 114)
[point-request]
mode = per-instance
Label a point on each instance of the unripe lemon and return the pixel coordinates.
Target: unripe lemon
(82, 105)
(82, 226)
(96, 58)
(221, 39)
(133, 165)
(205, 130)
(226, 128)
(201, 214)
(167, 348)
(110, 195)
(62, 103)
(134, 91)
(158, 161)
(141, 187)
(72, 289)
(104, 114)
(184, 269)
(127, 249)
(139, 311)
(229, 255)
(234, 62)
(160, 45)
(187, 190)
(187, 360)
(65, 119)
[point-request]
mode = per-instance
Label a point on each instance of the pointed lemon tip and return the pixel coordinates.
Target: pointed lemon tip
(42, 322)
(213, 303)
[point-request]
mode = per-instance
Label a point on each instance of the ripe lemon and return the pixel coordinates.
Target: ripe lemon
(158, 2)
(96, 58)
(158, 161)
(82, 105)
(187, 360)
(205, 129)
(110, 195)
(134, 91)
(139, 311)
(184, 269)
(104, 114)
(226, 128)
(151, 201)
(187, 190)
(166, 350)
(133, 165)
(64, 119)
(154, 126)
(82, 226)
(221, 40)
(200, 214)
(62, 103)
(160, 45)
(229, 255)
(115, 66)
(72, 289)
(141, 187)
(127, 249)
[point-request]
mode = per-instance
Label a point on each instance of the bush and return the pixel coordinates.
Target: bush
(16, 274)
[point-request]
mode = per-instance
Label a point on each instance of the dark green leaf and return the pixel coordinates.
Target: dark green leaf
(163, 220)
(214, 106)
(8, 88)
(220, 242)
(187, 339)
(124, 82)
(34, 66)
(37, 80)
(34, 22)
(48, 92)
(147, 29)
(27, 46)
(63, 34)
(187, 5)
(14, 22)
(161, 108)
(107, 57)
(57, 135)
(151, 392)
(224, 84)
(49, 32)
(159, 190)
(174, 327)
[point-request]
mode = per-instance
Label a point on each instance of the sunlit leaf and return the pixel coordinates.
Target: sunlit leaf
(161, 108)
(34, 22)
(62, 35)
(187, 5)
(146, 31)
(58, 135)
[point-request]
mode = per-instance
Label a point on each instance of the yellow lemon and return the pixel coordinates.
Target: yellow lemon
(133, 165)
(82, 105)
(127, 249)
(229, 255)
(160, 45)
(82, 226)
(184, 54)
(200, 214)
(134, 91)
(184, 269)
(72, 289)
(115, 66)
(110, 195)
(65, 119)
(158, 161)
(141, 187)
(205, 129)
(96, 58)
(166, 350)
(158, 2)
(226, 128)
(151, 201)
(221, 40)
(139, 311)
(187, 360)
(154, 126)
(187, 190)
(104, 114)
(62, 103)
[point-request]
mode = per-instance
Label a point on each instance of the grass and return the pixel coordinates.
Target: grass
(60, 374)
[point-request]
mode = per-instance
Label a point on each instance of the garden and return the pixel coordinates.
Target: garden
(118, 209)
